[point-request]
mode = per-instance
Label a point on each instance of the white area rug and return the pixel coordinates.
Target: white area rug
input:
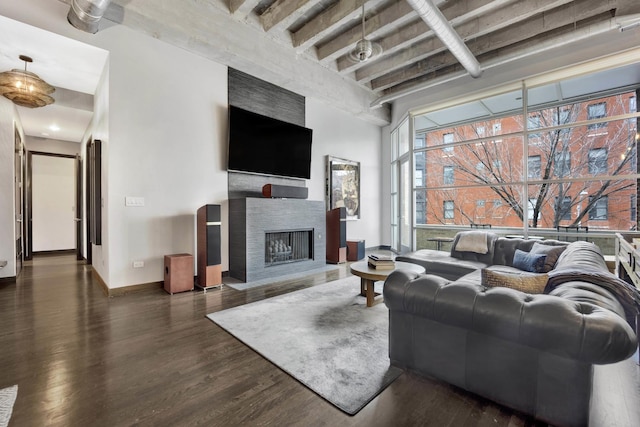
(324, 336)
(241, 286)
(7, 399)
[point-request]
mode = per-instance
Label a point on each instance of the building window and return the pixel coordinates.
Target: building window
(598, 161)
(594, 112)
(447, 140)
(534, 164)
(562, 164)
(447, 178)
(533, 123)
(448, 209)
(632, 104)
(633, 208)
(600, 209)
(420, 141)
(563, 209)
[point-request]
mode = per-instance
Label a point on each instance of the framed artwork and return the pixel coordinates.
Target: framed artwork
(343, 186)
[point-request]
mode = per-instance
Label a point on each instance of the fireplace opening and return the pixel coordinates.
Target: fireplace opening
(283, 247)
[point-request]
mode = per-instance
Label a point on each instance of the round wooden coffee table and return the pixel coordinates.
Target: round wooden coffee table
(368, 276)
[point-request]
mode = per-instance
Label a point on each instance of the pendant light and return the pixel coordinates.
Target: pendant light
(364, 49)
(25, 88)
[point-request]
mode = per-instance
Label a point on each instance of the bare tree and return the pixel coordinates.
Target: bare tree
(598, 149)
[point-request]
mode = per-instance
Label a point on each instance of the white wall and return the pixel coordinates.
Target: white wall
(339, 135)
(53, 203)
(8, 115)
(167, 143)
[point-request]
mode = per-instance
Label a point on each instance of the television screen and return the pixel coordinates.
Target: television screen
(268, 146)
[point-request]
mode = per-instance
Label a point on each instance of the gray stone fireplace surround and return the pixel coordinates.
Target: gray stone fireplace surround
(250, 219)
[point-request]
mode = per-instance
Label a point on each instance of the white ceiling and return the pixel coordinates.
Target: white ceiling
(61, 62)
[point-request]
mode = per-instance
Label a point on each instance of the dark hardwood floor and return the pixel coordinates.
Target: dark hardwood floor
(148, 358)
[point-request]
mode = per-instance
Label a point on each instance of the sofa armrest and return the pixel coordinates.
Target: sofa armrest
(576, 330)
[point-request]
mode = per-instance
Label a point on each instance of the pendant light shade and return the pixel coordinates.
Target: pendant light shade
(25, 88)
(364, 49)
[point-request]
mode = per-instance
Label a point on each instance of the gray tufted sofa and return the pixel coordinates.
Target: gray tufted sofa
(533, 353)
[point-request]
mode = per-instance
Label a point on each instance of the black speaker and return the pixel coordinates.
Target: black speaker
(209, 223)
(284, 191)
(337, 235)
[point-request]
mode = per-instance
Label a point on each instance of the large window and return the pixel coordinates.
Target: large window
(567, 166)
(567, 158)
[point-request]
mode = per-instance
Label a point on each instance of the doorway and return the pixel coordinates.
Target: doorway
(54, 204)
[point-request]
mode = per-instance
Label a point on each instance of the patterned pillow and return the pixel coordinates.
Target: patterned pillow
(526, 261)
(552, 253)
(530, 283)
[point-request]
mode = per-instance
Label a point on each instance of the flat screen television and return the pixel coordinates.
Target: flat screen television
(260, 144)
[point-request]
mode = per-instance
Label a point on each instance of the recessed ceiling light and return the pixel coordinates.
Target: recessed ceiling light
(54, 128)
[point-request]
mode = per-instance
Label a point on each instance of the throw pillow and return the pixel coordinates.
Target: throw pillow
(526, 261)
(525, 282)
(552, 253)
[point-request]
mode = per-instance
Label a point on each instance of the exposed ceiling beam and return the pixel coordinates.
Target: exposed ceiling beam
(559, 37)
(325, 22)
(398, 13)
(242, 8)
(456, 12)
(530, 28)
(282, 13)
(477, 27)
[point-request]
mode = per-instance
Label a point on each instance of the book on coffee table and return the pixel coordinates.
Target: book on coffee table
(383, 266)
(380, 257)
(381, 262)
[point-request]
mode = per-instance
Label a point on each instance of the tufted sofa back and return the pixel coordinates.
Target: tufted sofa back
(505, 248)
(501, 249)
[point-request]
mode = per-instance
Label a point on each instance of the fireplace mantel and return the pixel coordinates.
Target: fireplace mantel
(251, 218)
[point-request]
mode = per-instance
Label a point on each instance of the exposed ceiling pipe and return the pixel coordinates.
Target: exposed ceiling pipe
(86, 14)
(445, 32)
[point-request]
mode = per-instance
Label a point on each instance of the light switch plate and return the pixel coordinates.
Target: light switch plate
(134, 201)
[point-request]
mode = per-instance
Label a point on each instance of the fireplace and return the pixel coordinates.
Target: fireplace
(283, 247)
(295, 226)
